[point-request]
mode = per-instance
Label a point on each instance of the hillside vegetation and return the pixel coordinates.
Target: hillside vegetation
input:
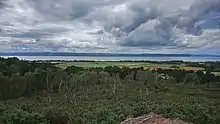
(42, 93)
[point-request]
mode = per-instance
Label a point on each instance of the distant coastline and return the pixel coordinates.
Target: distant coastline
(102, 54)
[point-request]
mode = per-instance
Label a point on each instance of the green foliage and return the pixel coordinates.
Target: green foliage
(19, 116)
(39, 93)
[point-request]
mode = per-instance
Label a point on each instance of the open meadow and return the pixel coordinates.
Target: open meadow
(145, 65)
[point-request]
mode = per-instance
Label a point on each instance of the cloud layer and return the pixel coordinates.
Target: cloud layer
(158, 26)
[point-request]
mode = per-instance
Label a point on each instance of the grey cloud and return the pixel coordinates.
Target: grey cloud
(141, 16)
(141, 13)
(106, 24)
(163, 33)
(67, 9)
(195, 13)
(2, 3)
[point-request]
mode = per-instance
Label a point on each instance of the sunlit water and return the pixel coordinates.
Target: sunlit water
(121, 58)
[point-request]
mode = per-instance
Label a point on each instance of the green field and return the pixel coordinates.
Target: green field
(145, 65)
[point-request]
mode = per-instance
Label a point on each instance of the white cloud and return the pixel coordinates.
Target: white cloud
(108, 25)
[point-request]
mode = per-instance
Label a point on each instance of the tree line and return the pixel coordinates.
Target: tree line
(20, 78)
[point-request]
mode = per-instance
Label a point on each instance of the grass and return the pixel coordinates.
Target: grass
(145, 65)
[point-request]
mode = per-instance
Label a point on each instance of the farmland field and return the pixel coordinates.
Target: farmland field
(145, 65)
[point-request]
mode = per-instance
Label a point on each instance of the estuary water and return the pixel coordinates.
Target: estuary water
(121, 58)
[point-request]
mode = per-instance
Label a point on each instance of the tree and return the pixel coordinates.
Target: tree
(191, 78)
(112, 70)
(4, 86)
(74, 69)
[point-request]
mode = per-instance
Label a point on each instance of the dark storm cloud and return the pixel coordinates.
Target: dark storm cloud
(141, 16)
(163, 33)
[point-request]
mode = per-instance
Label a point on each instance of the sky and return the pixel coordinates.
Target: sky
(115, 26)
